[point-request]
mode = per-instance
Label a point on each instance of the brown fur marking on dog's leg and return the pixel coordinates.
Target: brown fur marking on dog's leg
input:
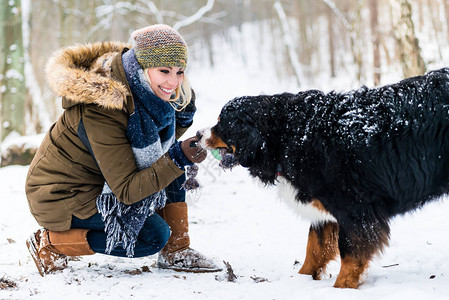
(322, 247)
(358, 248)
(351, 270)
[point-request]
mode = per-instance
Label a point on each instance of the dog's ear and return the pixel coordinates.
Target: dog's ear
(256, 155)
(250, 149)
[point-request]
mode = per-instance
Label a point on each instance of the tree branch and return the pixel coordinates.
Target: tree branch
(195, 17)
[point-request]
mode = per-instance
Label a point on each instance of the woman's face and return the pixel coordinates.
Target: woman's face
(164, 80)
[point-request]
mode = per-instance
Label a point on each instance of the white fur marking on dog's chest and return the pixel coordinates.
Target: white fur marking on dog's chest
(288, 194)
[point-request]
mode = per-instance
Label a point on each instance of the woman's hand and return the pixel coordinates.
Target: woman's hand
(192, 151)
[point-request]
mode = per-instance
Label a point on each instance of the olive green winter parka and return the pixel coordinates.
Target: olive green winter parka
(63, 179)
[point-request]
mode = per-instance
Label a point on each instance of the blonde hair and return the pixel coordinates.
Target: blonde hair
(182, 96)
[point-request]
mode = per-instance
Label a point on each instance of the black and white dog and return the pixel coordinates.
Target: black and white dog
(353, 160)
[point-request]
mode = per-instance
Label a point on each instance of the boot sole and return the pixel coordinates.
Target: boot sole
(188, 270)
(33, 251)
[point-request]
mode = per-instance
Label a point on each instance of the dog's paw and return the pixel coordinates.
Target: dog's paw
(347, 282)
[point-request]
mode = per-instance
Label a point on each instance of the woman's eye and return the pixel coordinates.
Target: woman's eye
(180, 72)
(165, 71)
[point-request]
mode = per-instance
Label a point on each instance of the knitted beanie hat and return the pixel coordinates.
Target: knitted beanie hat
(159, 46)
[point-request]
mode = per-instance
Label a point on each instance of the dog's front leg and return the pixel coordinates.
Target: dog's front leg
(322, 247)
(359, 240)
(351, 270)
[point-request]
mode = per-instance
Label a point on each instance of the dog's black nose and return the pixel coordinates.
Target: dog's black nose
(199, 134)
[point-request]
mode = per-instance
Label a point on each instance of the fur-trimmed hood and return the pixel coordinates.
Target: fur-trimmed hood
(82, 74)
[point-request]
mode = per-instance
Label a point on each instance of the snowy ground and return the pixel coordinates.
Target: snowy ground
(236, 220)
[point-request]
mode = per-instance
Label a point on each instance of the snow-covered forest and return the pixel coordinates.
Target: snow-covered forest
(236, 48)
(307, 42)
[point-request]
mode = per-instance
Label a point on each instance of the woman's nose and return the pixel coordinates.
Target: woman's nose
(173, 80)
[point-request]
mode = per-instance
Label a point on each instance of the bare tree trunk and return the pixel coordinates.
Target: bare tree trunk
(207, 37)
(64, 34)
(12, 74)
(330, 31)
(37, 116)
(375, 40)
(412, 63)
(305, 12)
(288, 41)
(436, 24)
(357, 52)
(446, 13)
(420, 4)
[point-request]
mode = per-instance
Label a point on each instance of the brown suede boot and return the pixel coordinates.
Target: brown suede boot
(49, 249)
(177, 255)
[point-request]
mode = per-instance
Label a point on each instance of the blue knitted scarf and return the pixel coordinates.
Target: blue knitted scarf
(151, 132)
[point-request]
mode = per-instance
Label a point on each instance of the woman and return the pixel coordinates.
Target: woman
(112, 159)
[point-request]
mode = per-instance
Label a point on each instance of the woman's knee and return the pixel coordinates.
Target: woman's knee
(155, 232)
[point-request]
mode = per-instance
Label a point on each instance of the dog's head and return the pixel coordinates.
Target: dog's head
(246, 130)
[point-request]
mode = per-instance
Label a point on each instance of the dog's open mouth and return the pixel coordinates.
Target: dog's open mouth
(218, 148)
(226, 151)
(219, 153)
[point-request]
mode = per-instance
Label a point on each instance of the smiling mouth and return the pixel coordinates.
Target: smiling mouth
(167, 91)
